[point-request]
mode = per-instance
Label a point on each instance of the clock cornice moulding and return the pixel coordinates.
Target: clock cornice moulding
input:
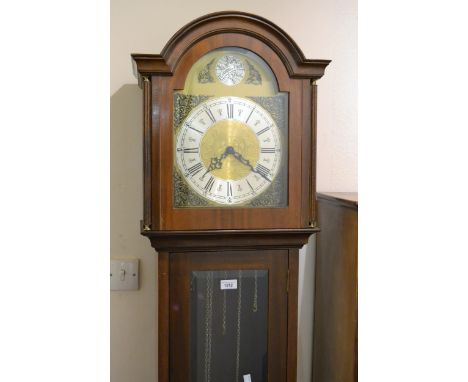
(222, 239)
(248, 24)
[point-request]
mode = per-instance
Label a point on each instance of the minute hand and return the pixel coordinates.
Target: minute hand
(246, 162)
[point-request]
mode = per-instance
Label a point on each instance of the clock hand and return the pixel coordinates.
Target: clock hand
(244, 161)
(216, 163)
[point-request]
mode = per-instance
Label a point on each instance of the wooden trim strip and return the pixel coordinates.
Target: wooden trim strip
(147, 153)
(293, 281)
(313, 159)
(228, 239)
(163, 317)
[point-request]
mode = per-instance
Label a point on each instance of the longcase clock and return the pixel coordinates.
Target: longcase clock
(229, 195)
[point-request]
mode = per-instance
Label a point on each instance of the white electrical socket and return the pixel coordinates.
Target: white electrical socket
(124, 274)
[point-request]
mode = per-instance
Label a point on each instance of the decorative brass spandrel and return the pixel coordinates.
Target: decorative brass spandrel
(183, 104)
(184, 196)
(204, 76)
(254, 78)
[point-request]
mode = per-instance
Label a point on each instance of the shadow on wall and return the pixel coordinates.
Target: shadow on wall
(132, 313)
(125, 157)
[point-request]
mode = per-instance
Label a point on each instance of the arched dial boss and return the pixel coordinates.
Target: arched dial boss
(228, 150)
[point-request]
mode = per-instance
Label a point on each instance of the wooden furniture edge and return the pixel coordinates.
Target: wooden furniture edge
(173, 241)
(338, 199)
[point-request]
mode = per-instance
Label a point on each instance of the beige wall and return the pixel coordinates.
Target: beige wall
(325, 29)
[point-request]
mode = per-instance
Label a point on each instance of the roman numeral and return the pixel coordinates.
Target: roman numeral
(263, 130)
(263, 171)
(267, 150)
(230, 110)
(191, 150)
(229, 189)
(210, 115)
(193, 128)
(195, 169)
(209, 184)
(247, 120)
(250, 186)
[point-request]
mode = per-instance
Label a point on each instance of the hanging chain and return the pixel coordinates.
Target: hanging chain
(224, 306)
(255, 299)
(208, 325)
(239, 307)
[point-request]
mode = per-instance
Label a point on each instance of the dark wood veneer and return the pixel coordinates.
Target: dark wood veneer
(335, 303)
(224, 239)
(147, 191)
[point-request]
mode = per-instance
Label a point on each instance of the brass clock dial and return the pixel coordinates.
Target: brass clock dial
(228, 150)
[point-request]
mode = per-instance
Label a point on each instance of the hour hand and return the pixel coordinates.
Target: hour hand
(215, 163)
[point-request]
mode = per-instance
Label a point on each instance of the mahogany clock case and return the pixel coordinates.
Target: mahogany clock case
(257, 248)
(163, 74)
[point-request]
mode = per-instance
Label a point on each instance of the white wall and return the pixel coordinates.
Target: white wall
(324, 29)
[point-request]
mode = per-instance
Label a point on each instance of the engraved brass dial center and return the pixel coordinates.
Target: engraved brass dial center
(230, 134)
